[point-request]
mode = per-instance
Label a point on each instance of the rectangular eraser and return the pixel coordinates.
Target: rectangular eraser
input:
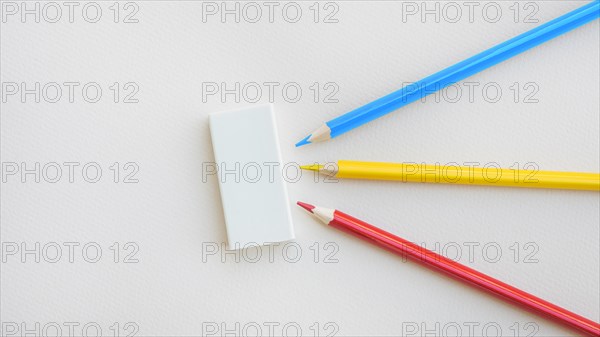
(253, 191)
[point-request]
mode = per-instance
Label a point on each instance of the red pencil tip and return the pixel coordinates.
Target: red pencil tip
(306, 206)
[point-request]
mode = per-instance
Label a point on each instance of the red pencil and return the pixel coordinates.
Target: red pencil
(431, 259)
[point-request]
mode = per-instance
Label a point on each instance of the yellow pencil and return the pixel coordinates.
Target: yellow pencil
(489, 174)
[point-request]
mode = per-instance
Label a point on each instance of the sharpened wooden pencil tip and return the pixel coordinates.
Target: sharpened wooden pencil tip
(314, 167)
(306, 206)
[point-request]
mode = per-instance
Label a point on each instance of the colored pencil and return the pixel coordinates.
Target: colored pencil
(489, 175)
(453, 74)
(383, 239)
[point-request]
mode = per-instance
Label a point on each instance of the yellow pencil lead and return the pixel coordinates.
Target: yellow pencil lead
(314, 167)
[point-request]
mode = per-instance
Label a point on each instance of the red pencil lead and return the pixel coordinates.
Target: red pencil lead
(306, 206)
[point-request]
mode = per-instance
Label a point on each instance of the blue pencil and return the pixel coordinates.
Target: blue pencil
(453, 74)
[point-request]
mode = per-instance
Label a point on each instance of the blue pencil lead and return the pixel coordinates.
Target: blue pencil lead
(303, 141)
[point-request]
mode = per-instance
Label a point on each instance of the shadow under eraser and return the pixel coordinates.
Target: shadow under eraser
(253, 191)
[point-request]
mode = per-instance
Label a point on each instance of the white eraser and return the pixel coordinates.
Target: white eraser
(253, 191)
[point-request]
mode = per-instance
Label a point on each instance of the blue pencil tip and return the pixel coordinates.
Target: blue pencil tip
(303, 141)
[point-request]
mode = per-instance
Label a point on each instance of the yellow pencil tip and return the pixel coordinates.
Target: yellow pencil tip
(314, 167)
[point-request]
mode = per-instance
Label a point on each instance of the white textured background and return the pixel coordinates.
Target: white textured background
(170, 214)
